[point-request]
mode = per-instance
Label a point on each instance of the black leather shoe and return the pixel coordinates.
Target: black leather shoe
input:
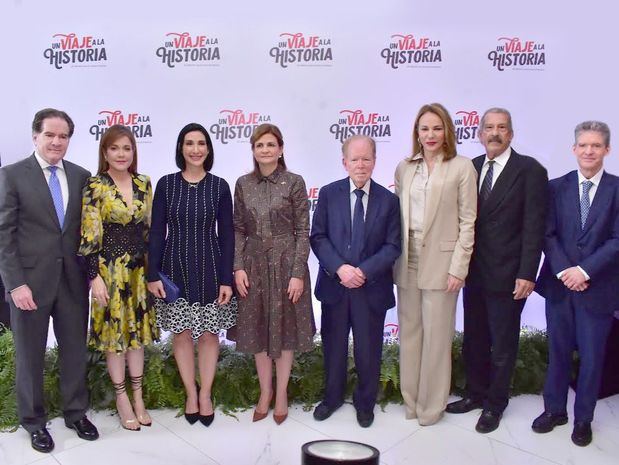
(547, 421)
(41, 440)
(488, 421)
(206, 420)
(84, 429)
(582, 435)
(463, 405)
(323, 411)
(365, 419)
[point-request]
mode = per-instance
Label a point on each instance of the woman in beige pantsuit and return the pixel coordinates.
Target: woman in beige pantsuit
(438, 200)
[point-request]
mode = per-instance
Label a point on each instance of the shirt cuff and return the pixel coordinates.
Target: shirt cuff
(587, 277)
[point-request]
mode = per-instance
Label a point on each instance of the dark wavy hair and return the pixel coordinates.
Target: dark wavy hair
(210, 156)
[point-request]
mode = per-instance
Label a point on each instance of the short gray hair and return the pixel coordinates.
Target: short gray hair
(497, 110)
(597, 126)
(368, 139)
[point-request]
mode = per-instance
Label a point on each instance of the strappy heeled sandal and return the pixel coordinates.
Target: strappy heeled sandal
(136, 385)
(130, 424)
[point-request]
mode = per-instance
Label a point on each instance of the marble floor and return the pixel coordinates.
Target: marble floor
(236, 440)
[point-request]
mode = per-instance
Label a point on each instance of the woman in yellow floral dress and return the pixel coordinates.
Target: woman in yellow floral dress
(116, 208)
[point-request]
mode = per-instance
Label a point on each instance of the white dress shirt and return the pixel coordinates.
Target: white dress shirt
(499, 163)
(60, 173)
(364, 199)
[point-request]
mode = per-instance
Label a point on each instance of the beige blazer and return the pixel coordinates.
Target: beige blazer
(449, 221)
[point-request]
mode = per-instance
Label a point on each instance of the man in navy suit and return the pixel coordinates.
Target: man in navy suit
(579, 279)
(356, 237)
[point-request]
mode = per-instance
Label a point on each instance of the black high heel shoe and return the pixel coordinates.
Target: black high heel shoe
(192, 418)
(206, 420)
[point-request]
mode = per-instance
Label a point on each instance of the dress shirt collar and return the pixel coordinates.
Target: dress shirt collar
(365, 188)
(501, 159)
(273, 177)
(595, 179)
(43, 163)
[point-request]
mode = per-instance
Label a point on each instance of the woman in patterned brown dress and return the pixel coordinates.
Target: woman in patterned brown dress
(271, 224)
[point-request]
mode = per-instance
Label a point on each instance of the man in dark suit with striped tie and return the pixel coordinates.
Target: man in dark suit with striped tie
(579, 280)
(40, 209)
(509, 236)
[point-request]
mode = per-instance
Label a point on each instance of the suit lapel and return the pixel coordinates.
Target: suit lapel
(41, 189)
(601, 199)
(75, 194)
(503, 184)
(343, 206)
(570, 204)
(405, 187)
(441, 170)
(373, 207)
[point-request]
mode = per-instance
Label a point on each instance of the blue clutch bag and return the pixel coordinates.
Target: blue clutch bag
(172, 292)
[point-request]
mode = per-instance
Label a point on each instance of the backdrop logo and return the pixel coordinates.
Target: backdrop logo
(297, 48)
(518, 54)
(467, 125)
(237, 125)
(185, 49)
(139, 124)
(312, 197)
(353, 122)
(71, 49)
(391, 332)
(412, 52)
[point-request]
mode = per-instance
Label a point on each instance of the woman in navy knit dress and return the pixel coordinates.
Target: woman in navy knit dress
(192, 242)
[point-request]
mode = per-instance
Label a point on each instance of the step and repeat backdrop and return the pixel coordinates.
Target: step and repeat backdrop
(321, 71)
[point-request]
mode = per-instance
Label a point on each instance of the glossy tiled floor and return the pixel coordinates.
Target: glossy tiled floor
(236, 440)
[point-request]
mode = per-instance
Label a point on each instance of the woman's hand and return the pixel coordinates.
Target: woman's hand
(225, 294)
(156, 289)
(242, 282)
(454, 284)
(99, 291)
(295, 289)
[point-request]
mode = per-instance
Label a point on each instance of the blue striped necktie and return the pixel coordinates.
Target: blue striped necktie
(56, 191)
(486, 185)
(585, 204)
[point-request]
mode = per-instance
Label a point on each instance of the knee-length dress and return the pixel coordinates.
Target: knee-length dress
(114, 241)
(192, 242)
(271, 224)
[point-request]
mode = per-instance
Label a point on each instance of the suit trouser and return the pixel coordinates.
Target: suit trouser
(70, 320)
(367, 324)
(572, 328)
(490, 345)
(427, 320)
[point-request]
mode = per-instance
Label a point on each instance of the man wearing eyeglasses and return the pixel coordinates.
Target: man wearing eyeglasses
(509, 237)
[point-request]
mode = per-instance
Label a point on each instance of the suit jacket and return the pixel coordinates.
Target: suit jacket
(509, 230)
(594, 248)
(448, 225)
(330, 239)
(34, 250)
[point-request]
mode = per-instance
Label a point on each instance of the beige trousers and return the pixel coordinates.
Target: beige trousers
(426, 319)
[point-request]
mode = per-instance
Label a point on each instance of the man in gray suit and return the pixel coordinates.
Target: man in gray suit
(40, 206)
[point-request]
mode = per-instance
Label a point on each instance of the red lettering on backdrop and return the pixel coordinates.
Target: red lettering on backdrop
(298, 40)
(184, 40)
(469, 118)
(71, 41)
(408, 42)
(515, 45)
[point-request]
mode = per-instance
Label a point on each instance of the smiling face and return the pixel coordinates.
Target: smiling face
(266, 152)
(496, 135)
(195, 149)
(119, 155)
(431, 134)
(590, 150)
(53, 140)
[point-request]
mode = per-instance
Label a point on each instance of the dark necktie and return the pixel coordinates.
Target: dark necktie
(56, 191)
(358, 228)
(585, 204)
(486, 185)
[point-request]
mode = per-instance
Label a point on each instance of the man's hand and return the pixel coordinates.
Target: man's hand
(523, 289)
(454, 284)
(350, 276)
(22, 298)
(574, 280)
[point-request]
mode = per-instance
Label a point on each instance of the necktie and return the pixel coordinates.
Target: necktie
(56, 191)
(486, 185)
(585, 205)
(358, 228)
